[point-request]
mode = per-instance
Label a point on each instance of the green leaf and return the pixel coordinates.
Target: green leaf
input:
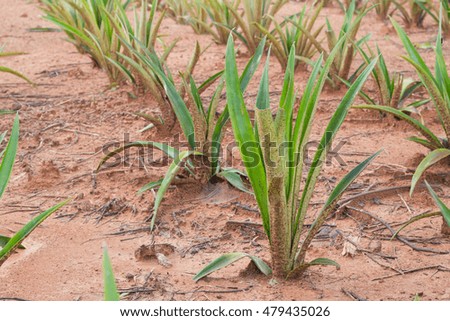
(244, 135)
(228, 259)
(414, 219)
(17, 239)
(15, 73)
(324, 261)
(168, 150)
(445, 211)
(233, 176)
(433, 140)
(174, 168)
(342, 186)
(431, 159)
(150, 186)
(4, 240)
(9, 156)
(111, 293)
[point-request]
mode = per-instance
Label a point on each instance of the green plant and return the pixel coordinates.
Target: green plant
(445, 21)
(417, 13)
(382, 8)
(146, 65)
(392, 88)
(9, 244)
(441, 15)
(110, 291)
(222, 18)
(9, 70)
(189, 12)
(438, 87)
(341, 65)
(444, 211)
(86, 24)
(290, 33)
(272, 151)
(201, 128)
(142, 36)
(256, 12)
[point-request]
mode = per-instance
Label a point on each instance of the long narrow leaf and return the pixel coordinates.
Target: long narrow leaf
(431, 159)
(244, 135)
(445, 211)
(9, 156)
(17, 239)
(228, 259)
(110, 291)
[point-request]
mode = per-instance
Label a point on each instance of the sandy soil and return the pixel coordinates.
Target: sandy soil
(73, 116)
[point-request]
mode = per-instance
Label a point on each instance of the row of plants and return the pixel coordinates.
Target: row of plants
(277, 186)
(282, 186)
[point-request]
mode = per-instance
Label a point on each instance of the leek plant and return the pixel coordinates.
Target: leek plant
(201, 128)
(289, 33)
(438, 87)
(272, 151)
(9, 244)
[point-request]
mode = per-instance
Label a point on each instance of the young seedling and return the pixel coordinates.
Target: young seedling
(417, 13)
(383, 8)
(272, 151)
(87, 26)
(189, 12)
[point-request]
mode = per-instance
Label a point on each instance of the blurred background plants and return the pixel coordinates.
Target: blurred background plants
(347, 41)
(293, 31)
